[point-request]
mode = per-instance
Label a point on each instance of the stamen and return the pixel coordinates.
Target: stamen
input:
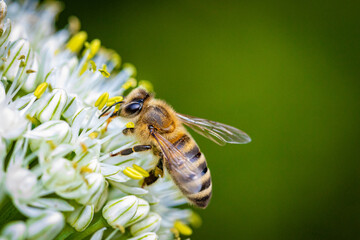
(84, 68)
(22, 57)
(30, 71)
(94, 48)
(116, 59)
(84, 148)
(130, 125)
(131, 82)
(93, 65)
(117, 108)
(183, 228)
(141, 170)
(77, 41)
(39, 91)
(130, 67)
(195, 220)
(86, 169)
(104, 71)
(101, 101)
(176, 233)
(93, 135)
(132, 173)
(147, 85)
(121, 228)
(33, 120)
(74, 24)
(114, 100)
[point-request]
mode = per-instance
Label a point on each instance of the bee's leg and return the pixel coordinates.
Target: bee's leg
(157, 172)
(128, 151)
(128, 131)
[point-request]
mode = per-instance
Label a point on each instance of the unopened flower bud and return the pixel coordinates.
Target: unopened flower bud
(57, 131)
(64, 179)
(20, 47)
(145, 236)
(118, 212)
(54, 106)
(141, 212)
(14, 231)
(81, 217)
(45, 227)
(96, 184)
(150, 224)
(21, 183)
(12, 123)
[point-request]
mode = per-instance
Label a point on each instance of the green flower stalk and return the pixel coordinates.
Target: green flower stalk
(57, 177)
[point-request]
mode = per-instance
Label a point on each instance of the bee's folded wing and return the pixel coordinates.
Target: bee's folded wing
(182, 170)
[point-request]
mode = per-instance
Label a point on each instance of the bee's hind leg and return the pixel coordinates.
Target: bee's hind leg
(157, 172)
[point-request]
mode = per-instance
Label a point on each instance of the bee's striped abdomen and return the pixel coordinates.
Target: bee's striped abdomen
(189, 148)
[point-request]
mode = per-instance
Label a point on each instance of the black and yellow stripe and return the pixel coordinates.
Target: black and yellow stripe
(189, 148)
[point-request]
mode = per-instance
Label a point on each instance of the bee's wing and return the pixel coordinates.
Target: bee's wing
(218, 132)
(181, 168)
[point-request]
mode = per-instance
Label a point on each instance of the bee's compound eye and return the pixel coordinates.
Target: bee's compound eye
(133, 108)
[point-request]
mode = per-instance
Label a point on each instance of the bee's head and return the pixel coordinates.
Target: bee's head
(134, 103)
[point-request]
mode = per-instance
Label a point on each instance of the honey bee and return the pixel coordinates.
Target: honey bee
(160, 128)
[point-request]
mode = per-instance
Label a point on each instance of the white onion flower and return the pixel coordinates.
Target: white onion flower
(55, 151)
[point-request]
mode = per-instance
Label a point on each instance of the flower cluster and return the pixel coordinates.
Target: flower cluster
(57, 176)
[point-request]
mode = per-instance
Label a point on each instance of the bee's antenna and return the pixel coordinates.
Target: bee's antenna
(108, 108)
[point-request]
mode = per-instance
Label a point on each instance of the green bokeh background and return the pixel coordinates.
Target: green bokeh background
(286, 72)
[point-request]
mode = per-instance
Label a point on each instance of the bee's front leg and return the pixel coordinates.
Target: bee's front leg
(128, 151)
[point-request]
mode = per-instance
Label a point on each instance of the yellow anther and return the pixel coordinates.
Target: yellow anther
(22, 57)
(132, 173)
(39, 91)
(75, 165)
(121, 228)
(4, 59)
(116, 59)
(93, 65)
(183, 228)
(101, 101)
(85, 169)
(84, 148)
(93, 135)
(130, 67)
(51, 144)
(30, 71)
(84, 68)
(114, 100)
(141, 170)
(94, 47)
(147, 85)
(104, 71)
(175, 232)
(74, 24)
(22, 64)
(131, 82)
(77, 41)
(195, 220)
(33, 120)
(117, 108)
(130, 125)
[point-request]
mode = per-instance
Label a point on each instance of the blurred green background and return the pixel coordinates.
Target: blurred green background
(286, 72)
